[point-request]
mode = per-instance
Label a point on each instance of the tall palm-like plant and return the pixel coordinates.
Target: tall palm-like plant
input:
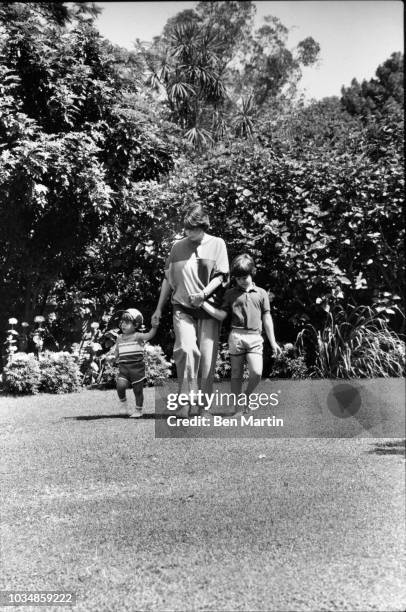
(186, 68)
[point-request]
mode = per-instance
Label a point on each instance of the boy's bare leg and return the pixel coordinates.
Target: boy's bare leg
(237, 372)
(255, 366)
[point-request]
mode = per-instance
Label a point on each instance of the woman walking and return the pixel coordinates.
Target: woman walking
(196, 270)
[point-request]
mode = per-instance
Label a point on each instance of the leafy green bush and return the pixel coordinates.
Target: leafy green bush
(355, 343)
(59, 373)
(22, 375)
(290, 364)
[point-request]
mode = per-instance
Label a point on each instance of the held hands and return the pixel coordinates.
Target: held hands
(156, 316)
(196, 299)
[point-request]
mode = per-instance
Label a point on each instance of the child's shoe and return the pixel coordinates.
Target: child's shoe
(137, 413)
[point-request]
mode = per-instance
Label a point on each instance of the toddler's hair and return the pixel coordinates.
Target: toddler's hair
(242, 265)
(129, 318)
(196, 217)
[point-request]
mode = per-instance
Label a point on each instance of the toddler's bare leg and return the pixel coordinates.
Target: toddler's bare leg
(138, 389)
(121, 386)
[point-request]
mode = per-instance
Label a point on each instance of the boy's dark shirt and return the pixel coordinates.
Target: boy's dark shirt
(246, 307)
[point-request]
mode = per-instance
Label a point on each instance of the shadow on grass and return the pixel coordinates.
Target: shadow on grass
(96, 417)
(389, 448)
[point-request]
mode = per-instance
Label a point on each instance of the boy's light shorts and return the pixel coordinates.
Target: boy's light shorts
(243, 341)
(132, 372)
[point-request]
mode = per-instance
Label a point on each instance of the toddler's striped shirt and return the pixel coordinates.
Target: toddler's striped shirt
(129, 348)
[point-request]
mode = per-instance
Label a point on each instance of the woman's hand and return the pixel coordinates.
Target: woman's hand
(156, 316)
(196, 299)
(276, 349)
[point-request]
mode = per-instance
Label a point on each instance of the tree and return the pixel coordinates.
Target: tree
(216, 72)
(73, 139)
(377, 96)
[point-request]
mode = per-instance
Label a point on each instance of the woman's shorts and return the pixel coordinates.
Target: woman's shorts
(132, 372)
(243, 341)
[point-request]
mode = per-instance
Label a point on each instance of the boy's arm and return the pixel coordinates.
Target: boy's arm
(148, 335)
(269, 330)
(217, 313)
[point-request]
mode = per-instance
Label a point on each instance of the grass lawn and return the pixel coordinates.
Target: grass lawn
(94, 503)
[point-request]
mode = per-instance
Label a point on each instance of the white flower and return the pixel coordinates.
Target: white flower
(13, 332)
(95, 346)
(12, 321)
(39, 319)
(25, 324)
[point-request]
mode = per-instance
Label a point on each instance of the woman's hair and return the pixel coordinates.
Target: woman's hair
(196, 218)
(242, 265)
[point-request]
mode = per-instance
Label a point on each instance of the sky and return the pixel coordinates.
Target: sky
(355, 36)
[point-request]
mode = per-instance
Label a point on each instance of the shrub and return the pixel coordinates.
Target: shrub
(355, 343)
(223, 365)
(59, 373)
(290, 364)
(22, 375)
(158, 369)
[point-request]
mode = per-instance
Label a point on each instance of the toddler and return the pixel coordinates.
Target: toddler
(129, 354)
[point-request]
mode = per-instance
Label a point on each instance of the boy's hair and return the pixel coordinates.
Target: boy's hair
(196, 217)
(242, 265)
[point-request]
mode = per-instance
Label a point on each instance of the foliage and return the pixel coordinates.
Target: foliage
(22, 374)
(59, 373)
(355, 343)
(223, 365)
(157, 368)
(290, 364)
(75, 134)
(52, 373)
(379, 95)
(215, 70)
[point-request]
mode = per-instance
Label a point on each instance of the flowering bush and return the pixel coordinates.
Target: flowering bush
(22, 375)
(59, 373)
(53, 373)
(157, 368)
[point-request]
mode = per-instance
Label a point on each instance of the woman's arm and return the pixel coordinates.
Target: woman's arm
(216, 313)
(269, 330)
(197, 299)
(165, 292)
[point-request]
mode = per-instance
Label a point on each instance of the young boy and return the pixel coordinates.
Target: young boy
(250, 310)
(129, 353)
